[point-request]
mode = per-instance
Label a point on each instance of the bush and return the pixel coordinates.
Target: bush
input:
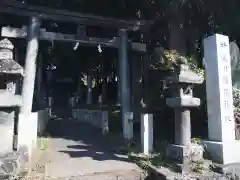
(236, 98)
(236, 103)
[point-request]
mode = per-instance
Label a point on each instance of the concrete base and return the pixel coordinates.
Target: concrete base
(180, 153)
(128, 126)
(223, 153)
(42, 119)
(6, 139)
(147, 133)
(232, 169)
(97, 118)
(215, 149)
(27, 131)
(105, 128)
(165, 173)
(29, 127)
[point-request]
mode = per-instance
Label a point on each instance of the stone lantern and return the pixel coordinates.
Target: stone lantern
(10, 72)
(182, 101)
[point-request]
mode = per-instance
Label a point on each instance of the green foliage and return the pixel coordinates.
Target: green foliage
(196, 140)
(236, 98)
(197, 167)
(43, 143)
(165, 59)
(236, 103)
(168, 59)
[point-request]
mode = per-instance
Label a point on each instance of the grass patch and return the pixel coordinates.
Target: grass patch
(156, 159)
(159, 159)
(43, 143)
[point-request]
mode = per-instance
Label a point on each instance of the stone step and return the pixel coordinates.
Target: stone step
(231, 170)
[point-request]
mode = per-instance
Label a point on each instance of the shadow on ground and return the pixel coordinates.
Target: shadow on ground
(78, 148)
(82, 140)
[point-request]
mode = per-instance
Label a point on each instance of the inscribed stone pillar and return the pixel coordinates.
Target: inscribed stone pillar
(125, 100)
(221, 130)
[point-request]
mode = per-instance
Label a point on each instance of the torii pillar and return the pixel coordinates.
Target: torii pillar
(30, 65)
(125, 98)
(27, 127)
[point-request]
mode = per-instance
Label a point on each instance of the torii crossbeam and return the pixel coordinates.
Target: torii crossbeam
(54, 36)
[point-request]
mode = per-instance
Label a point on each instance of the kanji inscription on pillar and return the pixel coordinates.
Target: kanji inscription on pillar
(219, 87)
(225, 64)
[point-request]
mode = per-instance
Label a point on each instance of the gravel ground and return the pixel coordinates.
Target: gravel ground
(79, 151)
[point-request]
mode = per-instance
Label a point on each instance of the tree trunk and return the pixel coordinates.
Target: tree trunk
(177, 39)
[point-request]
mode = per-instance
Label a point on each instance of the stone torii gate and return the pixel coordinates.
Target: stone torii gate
(34, 33)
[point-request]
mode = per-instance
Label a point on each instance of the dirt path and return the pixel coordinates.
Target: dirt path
(78, 150)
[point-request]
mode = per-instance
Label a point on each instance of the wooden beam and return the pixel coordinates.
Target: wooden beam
(136, 46)
(53, 36)
(81, 31)
(68, 16)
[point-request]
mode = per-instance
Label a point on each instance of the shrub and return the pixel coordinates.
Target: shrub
(236, 103)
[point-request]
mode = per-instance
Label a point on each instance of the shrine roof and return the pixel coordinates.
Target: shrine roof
(9, 66)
